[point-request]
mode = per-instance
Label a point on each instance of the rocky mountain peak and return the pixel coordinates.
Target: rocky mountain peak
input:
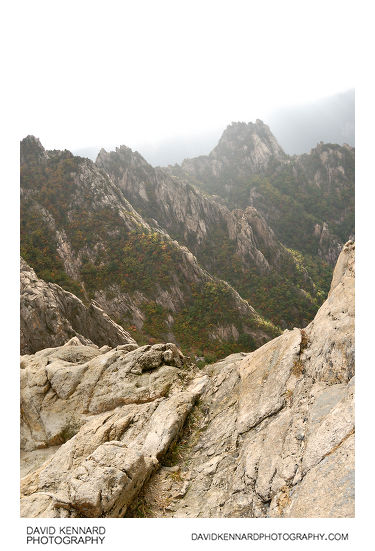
(244, 149)
(253, 141)
(96, 245)
(32, 150)
(121, 159)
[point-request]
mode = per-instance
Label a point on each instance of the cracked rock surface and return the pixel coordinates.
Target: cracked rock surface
(119, 411)
(264, 434)
(273, 432)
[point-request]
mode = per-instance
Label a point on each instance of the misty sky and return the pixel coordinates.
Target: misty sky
(120, 72)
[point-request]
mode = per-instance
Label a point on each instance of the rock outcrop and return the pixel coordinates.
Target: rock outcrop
(273, 434)
(265, 434)
(130, 403)
(50, 316)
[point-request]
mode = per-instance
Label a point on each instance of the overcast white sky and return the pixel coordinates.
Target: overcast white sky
(104, 72)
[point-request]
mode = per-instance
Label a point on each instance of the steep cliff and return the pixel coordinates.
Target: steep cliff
(265, 434)
(273, 434)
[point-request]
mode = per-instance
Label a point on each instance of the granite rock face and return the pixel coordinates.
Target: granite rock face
(50, 316)
(273, 434)
(118, 410)
(264, 434)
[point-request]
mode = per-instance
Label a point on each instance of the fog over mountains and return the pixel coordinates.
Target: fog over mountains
(331, 120)
(298, 128)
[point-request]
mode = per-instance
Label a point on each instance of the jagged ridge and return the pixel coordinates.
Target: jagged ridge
(312, 192)
(237, 246)
(78, 230)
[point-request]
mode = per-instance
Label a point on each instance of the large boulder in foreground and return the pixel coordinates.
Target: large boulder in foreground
(50, 316)
(264, 434)
(118, 409)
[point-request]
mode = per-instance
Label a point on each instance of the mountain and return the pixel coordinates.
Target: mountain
(308, 200)
(237, 246)
(143, 433)
(80, 232)
(214, 255)
(243, 149)
(298, 128)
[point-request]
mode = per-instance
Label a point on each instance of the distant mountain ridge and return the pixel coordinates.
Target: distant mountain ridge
(237, 246)
(79, 231)
(312, 192)
(298, 128)
(216, 255)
